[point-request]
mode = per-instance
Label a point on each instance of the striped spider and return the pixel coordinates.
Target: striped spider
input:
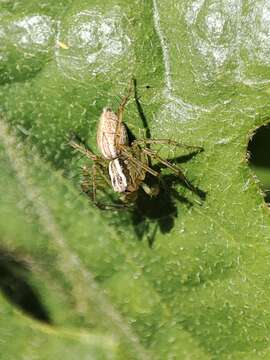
(124, 164)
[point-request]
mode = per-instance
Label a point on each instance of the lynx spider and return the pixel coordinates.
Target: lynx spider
(124, 165)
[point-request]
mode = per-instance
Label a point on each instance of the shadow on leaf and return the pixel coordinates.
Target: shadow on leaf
(15, 286)
(160, 209)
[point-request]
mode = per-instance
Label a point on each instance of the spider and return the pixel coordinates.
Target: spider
(124, 164)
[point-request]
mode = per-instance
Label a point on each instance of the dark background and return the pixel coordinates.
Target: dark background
(259, 152)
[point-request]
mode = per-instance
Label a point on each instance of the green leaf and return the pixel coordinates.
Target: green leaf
(201, 290)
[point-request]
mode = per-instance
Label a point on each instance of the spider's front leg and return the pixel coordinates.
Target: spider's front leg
(120, 114)
(83, 150)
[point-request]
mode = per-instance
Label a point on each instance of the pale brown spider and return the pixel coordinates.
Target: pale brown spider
(124, 164)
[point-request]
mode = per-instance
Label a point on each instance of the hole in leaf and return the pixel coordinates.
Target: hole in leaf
(15, 285)
(259, 157)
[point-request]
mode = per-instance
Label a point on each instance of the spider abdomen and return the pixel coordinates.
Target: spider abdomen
(110, 134)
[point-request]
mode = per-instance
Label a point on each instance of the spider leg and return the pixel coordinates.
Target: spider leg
(98, 160)
(85, 184)
(93, 195)
(174, 168)
(83, 150)
(138, 163)
(94, 184)
(120, 114)
(97, 168)
(166, 142)
(123, 103)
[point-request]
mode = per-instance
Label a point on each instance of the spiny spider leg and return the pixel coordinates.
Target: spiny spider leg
(120, 113)
(94, 184)
(139, 163)
(93, 195)
(99, 162)
(82, 149)
(165, 141)
(103, 172)
(85, 184)
(97, 168)
(174, 168)
(123, 103)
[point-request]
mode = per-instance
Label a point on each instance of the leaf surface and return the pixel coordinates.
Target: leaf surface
(201, 290)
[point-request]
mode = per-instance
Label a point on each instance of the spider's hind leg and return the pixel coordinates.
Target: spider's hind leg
(176, 169)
